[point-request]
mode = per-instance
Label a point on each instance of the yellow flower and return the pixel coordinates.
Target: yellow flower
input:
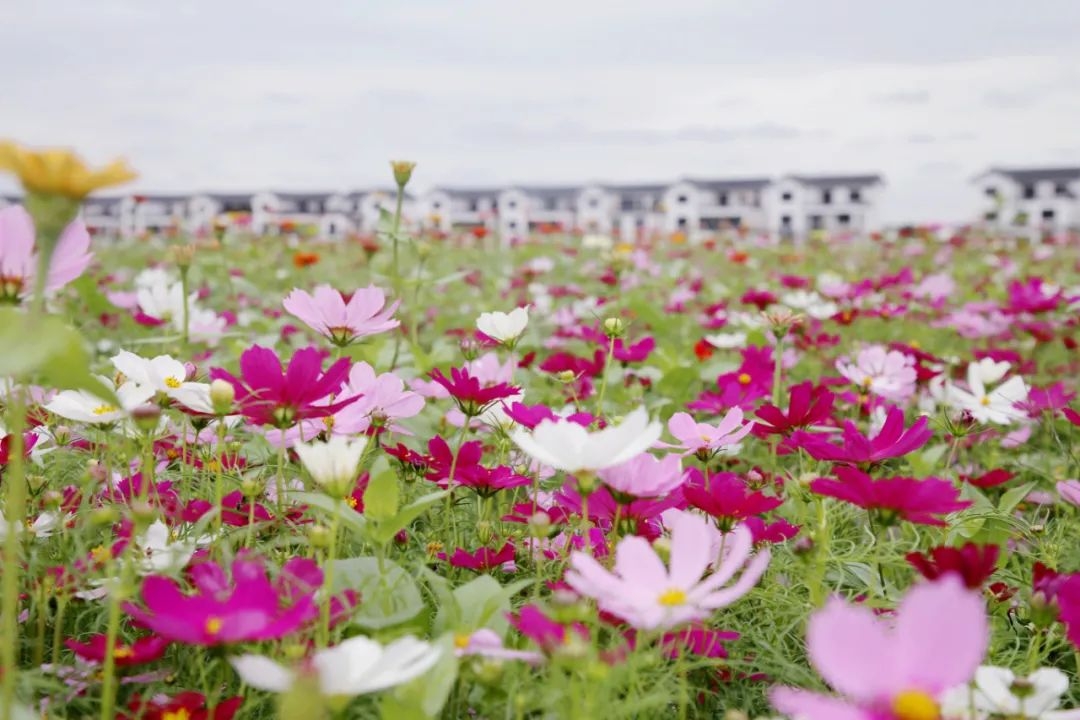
(402, 171)
(59, 172)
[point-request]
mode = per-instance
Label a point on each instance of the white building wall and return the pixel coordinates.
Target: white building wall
(596, 210)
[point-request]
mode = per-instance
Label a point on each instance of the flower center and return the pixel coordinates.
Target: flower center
(213, 625)
(867, 381)
(351, 501)
(100, 554)
(461, 640)
(984, 400)
(744, 378)
(104, 409)
(915, 705)
(172, 382)
(122, 652)
(672, 598)
(340, 335)
(181, 714)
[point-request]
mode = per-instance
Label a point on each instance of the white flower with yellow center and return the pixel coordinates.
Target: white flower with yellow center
(83, 406)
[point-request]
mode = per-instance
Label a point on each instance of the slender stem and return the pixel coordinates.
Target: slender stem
(108, 686)
(604, 379)
(450, 480)
(395, 268)
(328, 584)
(15, 479)
(778, 369)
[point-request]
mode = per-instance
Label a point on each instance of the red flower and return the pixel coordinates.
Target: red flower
(726, 497)
(703, 350)
(893, 441)
(770, 532)
(271, 395)
(974, 563)
(993, 478)
(184, 706)
(144, 650)
(482, 559)
(470, 396)
(467, 468)
(917, 501)
(808, 405)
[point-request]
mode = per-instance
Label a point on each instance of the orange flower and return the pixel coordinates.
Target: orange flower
(303, 259)
(738, 256)
(479, 232)
(703, 350)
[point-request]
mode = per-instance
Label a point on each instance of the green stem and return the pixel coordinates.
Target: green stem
(109, 684)
(328, 584)
(604, 378)
(186, 319)
(395, 268)
(15, 479)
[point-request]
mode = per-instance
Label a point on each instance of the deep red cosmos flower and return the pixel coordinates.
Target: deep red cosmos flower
(469, 394)
(808, 405)
(771, 533)
(182, 706)
(246, 608)
(29, 440)
(893, 441)
(529, 416)
(482, 559)
(467, 468)
(992, 478)
(973, 562)
(726, 497)
(143, 650)
(272, 395)
(917, 501)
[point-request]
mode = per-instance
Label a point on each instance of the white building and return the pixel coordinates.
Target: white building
(1044, 198)
(698, 207)
(796, 205)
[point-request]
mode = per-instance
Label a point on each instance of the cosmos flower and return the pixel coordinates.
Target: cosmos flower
(936, 642)
(502, 327)
(808, 406)
(648, 595)
(333, 464)
(892, 441)
(19, 260)
(999, 692)
(326, 311)
(706, 440)
(726, 497)
(917, 501)
(644, 476)
(82, 406)
(56, 171)
(887, 373)
(569, 447)
(356, 666)
(973, 563)
(997, 406)
(142, 650)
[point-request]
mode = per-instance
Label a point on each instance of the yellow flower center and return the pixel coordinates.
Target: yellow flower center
(328, 421)
(100, 554)
(867, 381)
(915, 344)
(122, 652)
(461, 640)
(744, 378)
(672, 598)
(351, 501)
(181, 714)
(104, 409)
(915, 705)
(172, 382)
(984, 400)
(213, 625)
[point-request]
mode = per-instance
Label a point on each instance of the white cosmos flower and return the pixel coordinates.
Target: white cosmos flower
(727, 341)
(165, 375)
(569, 447)
(82, 406)
(598, 242)
(811, 303)
(997, 406)
(504, 327)
(998, 692)
(356, 666)
(159, 554)
(43, 526)
(332, 464)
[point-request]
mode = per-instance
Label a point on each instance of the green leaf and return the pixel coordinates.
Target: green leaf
(924, 463)
(677, 384)
(429, 692)
(389, 594)
(384, 531)
(1014, 497)
(348, 517)
(382, 497)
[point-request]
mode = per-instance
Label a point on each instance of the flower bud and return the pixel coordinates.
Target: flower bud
(587, 482)
(105, 515)
(146, 417)
(319, 536)
(402, 171)
(182, 256)
(469, 349)
(540, 525)
(222, 396)
(52, 499)
(488, 670)
(485, 532)
(614, 327)
(566, 376)
(143, 514)
(252, 488)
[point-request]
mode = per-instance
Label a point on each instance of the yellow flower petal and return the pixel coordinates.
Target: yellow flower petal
(57, 171)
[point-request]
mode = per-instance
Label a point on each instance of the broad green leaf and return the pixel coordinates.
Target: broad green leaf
(389, 594)
(349, 518)
(382, 497)
(1014, 497)
(429, 692)
(384, 531)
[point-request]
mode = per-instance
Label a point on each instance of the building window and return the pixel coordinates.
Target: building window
(313, 206)
(626, 204)
(682, 223)
(1047, 214)
(722, 199)
(1029, 192)
(511, 204)
(550, 203)
(826, 197)
(990, 216)
(817, 222)
(991, 192)
(785, 221)
(513, 225)
(856, 196)
(843, 220)
(1061, 189)
(682, 199)
(786, 197)
(593, 202)
(436, 205)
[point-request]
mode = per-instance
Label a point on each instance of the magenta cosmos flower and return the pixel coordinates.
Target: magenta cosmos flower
(272, 395)
(896, 672)
(917, 501)
(18, 255)
(327, 312)
(648, 595)
(250, 608)
(891, 442)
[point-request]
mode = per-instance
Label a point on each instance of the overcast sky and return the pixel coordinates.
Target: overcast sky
(319, 94)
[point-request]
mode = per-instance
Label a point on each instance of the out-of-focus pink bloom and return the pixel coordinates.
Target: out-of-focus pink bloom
(530, 416)
(531, 622)
(248, 608)
(704, 439)
(142, 650)
(327, 312)
(644, 476)
(19, 258)
(483, 559)
(1069, 490)
(774, 532)
(487, 643)
(472, 396)
(878, 370)
(917, 501)
(648, 595)
(891, 442)
(936, 643)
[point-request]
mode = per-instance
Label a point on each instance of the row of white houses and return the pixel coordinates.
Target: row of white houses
(793, 205)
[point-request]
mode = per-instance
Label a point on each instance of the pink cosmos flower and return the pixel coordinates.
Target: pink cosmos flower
(917, 501)
(328, 313)
(891, 670)
(707, 440)
(248, 608)
(726, 497)
(1069, 490)
(18, 255)
(644, 476)
(271, 395)
(483, 559)
(891, 442)
(648, 595)
(878, 370)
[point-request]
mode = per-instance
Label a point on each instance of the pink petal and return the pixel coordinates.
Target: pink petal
(852, 650)
(811, 706)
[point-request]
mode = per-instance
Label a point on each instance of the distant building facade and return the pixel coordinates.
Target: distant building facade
(1046, 199)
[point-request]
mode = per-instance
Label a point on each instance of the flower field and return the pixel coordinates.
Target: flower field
(420, 476)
